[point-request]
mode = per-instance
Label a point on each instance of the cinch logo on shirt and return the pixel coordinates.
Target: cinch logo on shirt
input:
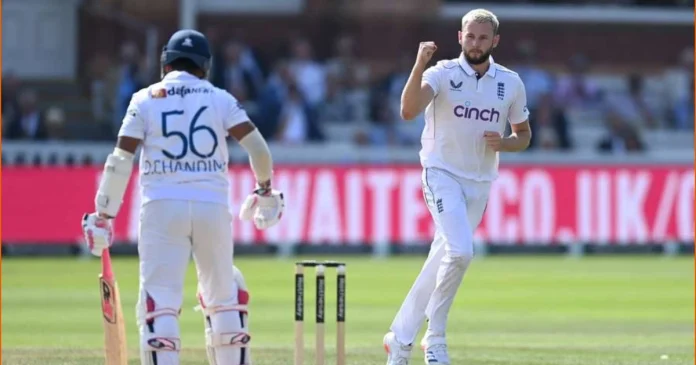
(469, 112)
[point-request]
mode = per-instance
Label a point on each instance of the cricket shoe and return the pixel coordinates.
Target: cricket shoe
(397, 353)
(435, 353)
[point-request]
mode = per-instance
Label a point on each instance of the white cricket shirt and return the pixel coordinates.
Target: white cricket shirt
(463, 108)
(183, 122)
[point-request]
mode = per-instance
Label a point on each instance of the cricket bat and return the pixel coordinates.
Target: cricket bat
(115, 348)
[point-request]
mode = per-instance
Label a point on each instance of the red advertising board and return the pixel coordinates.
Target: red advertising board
(353, 205)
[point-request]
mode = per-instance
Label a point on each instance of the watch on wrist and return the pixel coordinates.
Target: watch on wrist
(263, 187)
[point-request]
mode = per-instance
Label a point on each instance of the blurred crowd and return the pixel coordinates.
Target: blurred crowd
(22, 115)
(299, 98)
(561, 101)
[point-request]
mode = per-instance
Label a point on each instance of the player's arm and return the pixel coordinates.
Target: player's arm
(119, 163)
(519, 138)
(418, 92)
(521, 132)
(128, 144)
(260, 158)
(239, 126)
(114, 181)
(265, 205)
(117, 173)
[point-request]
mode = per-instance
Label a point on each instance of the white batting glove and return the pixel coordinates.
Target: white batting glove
(98, 233)
(263, 206)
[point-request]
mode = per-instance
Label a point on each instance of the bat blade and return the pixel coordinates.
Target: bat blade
(115, 349)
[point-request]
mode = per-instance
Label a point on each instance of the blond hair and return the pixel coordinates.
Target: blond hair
(481, 16)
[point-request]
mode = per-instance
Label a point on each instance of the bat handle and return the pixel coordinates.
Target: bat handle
(107, 272)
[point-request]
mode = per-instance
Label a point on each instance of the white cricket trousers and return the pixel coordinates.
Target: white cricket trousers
(457, 206)
(170, 231)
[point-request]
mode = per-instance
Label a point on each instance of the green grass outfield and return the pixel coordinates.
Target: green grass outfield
(510, 310)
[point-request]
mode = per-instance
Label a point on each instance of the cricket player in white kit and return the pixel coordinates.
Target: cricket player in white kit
(182, 123)
(468, 102)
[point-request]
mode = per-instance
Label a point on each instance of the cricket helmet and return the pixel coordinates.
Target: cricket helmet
(189, 44)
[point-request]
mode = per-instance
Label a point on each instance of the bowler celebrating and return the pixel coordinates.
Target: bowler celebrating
(468, 102)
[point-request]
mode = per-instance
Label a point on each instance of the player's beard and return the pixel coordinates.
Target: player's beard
(477, 59)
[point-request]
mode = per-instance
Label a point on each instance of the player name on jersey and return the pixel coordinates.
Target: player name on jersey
(167, 166)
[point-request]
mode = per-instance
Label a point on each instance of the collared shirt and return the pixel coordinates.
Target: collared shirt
(464, 107)
(183, 122)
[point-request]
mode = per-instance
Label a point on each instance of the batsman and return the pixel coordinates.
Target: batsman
(182, 123)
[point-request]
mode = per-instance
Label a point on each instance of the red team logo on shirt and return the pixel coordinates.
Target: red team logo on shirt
(159, 94)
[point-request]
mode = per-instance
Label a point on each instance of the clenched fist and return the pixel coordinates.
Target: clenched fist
(425, 52)
(493, 140)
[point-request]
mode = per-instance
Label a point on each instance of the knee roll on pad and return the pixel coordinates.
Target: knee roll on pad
(234, 339)
(160, 342)
(242, 297)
